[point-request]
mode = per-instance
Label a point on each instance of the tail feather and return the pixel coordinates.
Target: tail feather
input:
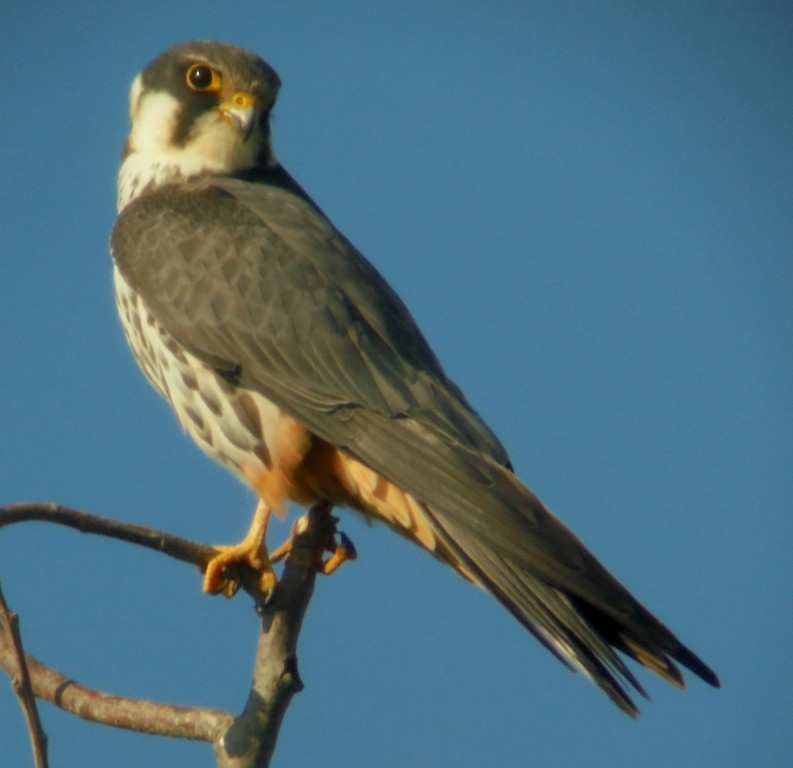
(585, 617)
(551, 617)
(661, 665)
(649, 642)
(472, 511)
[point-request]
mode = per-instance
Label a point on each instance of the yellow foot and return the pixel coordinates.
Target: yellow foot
(282, 552)
(340, 553)
(251, 551)
(217, 579)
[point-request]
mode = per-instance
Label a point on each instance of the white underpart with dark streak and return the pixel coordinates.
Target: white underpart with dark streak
(232, 426)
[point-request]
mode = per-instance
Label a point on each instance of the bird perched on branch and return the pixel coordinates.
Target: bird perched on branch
(289, 360)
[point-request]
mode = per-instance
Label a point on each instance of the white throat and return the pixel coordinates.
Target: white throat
(146, 170)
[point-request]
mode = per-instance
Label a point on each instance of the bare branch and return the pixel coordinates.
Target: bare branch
(160, 541)
(151, 538)
(250, 741)
(17, 670)
(247, 741)
(141, 715)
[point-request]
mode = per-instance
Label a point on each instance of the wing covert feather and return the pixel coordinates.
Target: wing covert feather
(258, 274)
(253, 278)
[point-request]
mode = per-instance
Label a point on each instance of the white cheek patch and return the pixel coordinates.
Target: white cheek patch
(134, 95)
(154, 117)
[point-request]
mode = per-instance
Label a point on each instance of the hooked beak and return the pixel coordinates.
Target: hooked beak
(240, 110)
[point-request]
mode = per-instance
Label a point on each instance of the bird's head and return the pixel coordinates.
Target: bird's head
(200, 108)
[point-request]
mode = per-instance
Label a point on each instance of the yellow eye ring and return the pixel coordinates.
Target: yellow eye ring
(202, 78)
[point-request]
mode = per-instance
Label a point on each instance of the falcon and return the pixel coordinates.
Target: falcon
(289, 360)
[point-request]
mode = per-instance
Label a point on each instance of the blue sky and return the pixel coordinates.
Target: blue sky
(589, 209)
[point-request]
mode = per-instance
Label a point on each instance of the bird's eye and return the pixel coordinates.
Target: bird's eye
(202, 78)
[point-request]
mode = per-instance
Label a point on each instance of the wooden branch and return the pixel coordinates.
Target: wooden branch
(151, 538)
(247, 741)
(140, 715)
(251, 739)
(17, 670)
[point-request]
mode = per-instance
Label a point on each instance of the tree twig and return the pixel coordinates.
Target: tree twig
(17, 670)
(151, 538)
(142, 715)
(160, 541)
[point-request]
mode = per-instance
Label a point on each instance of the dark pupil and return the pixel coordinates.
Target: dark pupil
(201, 77)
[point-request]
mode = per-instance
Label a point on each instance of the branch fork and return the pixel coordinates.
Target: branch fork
(246, 740)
